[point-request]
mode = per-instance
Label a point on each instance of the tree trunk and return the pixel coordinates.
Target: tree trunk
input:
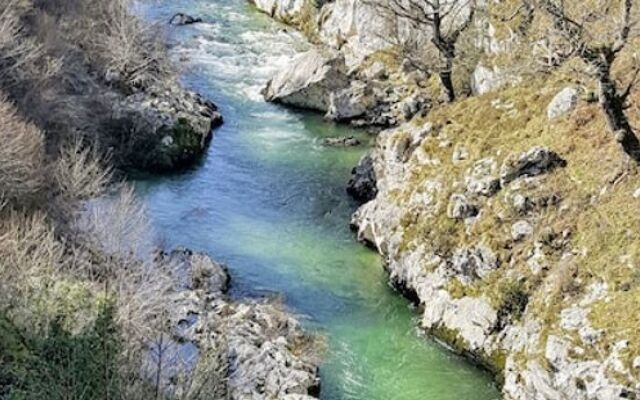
(612, 105)
(447, 85)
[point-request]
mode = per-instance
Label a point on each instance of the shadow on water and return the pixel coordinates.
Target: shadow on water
(269, 200)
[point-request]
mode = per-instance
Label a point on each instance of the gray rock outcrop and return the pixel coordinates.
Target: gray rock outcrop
(248, 349)
(171, 127)
(452, 277)
(180, 19)
(563, 103)
(362, 185)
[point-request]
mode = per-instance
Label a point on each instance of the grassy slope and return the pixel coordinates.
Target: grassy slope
(597, 211)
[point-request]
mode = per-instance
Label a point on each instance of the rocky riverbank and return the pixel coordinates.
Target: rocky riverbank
(351, 74)
(497, 246)
(248, 349)
(488, 211)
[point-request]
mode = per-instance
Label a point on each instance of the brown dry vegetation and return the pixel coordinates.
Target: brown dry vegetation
(78, 305)
(63, 62)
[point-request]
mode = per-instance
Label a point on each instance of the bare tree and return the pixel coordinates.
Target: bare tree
(446, 20)
(597, 31)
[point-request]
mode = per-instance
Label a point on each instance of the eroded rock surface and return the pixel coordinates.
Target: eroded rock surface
(410, 222)
(171, 127)
(251, 349)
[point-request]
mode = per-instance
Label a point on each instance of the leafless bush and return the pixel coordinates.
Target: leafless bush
(21, 57)
(30, 257)
(80, 174)
(21, 158)
(127, 50)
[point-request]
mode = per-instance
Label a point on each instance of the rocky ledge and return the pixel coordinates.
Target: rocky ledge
(349, 74)
(370, 94)
(247, 349)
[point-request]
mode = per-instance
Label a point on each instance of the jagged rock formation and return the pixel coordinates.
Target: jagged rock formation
(248, 349)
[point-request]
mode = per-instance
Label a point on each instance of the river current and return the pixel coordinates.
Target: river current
(269, 201)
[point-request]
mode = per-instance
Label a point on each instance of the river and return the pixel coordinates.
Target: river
(269, 201)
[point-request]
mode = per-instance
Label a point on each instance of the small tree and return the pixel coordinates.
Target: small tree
(445, 20)
(597, 31)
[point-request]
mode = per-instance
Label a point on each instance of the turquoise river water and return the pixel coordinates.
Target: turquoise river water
(269, 201)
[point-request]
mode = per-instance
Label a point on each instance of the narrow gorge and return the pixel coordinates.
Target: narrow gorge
(319, 199)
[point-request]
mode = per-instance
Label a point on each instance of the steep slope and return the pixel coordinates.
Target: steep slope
(514, 226)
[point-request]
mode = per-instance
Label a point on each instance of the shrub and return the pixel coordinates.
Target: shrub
(21, 158)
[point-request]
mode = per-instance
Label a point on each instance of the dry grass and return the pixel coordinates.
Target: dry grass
(597, 208)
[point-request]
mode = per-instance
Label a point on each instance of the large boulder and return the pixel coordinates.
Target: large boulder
(351, 102)
(168, 128)
(309, 81)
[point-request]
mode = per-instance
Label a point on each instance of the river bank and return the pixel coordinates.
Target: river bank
(88, 308)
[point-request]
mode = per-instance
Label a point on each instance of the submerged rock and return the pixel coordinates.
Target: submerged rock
(348, 141)
(184, 19)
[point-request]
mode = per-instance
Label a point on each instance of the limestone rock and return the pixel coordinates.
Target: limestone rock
(309, 80)
(470, 264)
(563, 103)
(521, 230)
(261, 352)
(461, 208)
(377, 70)
(351, 102)
(538, 160)
(485, 80)
(482, 178)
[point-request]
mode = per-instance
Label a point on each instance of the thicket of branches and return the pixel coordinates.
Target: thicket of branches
(80, 305)
(62, 62)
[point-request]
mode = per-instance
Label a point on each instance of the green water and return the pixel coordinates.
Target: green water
(269, 201)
